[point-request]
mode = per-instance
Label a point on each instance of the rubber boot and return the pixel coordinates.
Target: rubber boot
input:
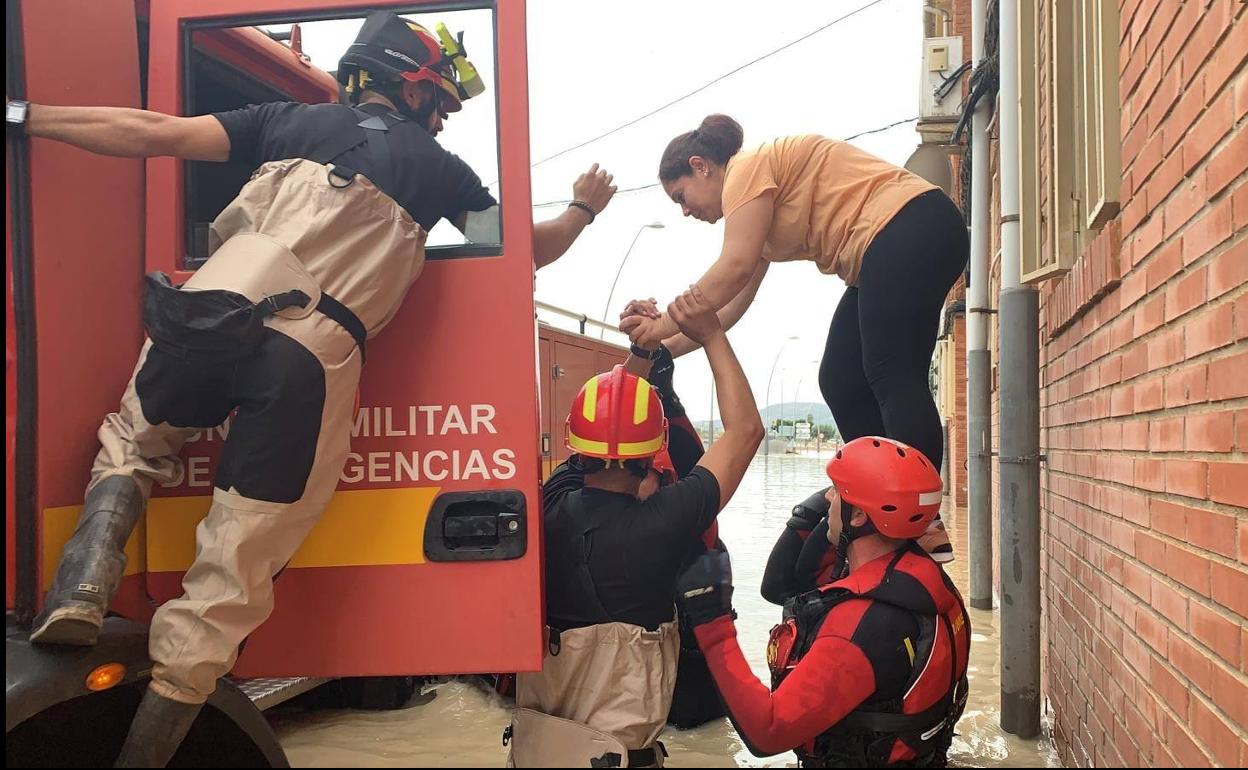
(91, 565)
(157, 731)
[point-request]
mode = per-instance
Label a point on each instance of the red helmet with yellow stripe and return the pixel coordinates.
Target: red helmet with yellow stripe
(616, 416)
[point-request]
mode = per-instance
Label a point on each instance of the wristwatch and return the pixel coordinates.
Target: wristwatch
(15, 114)
(649, 355)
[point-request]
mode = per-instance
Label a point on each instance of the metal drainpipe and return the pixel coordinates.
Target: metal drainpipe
(1020, 425)
(978, 359)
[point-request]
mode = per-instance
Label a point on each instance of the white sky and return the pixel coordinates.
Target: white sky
(595, 65)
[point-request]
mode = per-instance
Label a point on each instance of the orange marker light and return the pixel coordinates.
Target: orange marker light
(105, 676)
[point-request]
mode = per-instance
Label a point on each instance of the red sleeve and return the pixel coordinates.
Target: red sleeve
(832, 679)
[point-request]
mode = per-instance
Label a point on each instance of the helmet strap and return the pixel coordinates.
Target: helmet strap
(394, 92)
(849, 534)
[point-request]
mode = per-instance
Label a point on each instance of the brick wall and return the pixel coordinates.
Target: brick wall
(1144, 393)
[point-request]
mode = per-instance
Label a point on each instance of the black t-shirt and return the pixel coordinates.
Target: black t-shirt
(429, 182)
(633, 549)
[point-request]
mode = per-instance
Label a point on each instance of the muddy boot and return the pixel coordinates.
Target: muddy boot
(157, 731)
(91, 565)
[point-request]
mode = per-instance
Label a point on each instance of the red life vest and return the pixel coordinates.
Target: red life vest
(916, 727)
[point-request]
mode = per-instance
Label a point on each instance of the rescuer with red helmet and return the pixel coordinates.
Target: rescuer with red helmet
(868, 670)
(612, 558)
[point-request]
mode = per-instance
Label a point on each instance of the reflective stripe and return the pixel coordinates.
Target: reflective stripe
(585, 446)
(591, 400)
(640, 448)
(909, 649)
(930, 498)
(641, 402)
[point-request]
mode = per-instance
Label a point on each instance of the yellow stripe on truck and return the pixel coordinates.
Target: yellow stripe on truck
(363, 527)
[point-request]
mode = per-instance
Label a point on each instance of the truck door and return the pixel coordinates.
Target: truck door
(428, 558)
(74, 267)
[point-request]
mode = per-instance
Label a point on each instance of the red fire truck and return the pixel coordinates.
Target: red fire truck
(428, 559)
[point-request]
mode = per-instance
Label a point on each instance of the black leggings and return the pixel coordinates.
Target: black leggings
(874, 373)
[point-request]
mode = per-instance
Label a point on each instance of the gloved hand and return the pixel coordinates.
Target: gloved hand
(662, 370)
(704, 589)
(808, 513)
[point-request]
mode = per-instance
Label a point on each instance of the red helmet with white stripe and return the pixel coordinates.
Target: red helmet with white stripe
(893, 483)
(616, 416)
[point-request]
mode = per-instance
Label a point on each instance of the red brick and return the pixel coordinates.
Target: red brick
(1210, 432)
(1239, 206)
(1190, 569)
(1212, 531)
(1243, 559)
(1166, 348)
(1180, 743)
(1188, 292)
(1186, 111)
(1151, 550)
(1228, 483)
(1133, 288)
(1229, 270)
(1135, 579)
(1184, 22)
(1168, 518)
(1216, 632)
(1150, 394)
(1208, 131)
(1215, 733)
(1200, 44)
(1241, 318)
(1210, 330)
(1173, 691)
(1189, 385)
(1135, 360)
(1186, 201)
(1229, 586)
(1208, 231)
(1241, 429)
(1192, 662)
(1227, 60)
(1150, 474)
(1227, 162)
(1228, 377)
(1231, 695)
(1241, 97)
(1150, 315)
(1170, 603)
(1166, 178)
(1148, 236)
(1122, 402)
(1187, 477)
(1155, 635)
(1166, 435)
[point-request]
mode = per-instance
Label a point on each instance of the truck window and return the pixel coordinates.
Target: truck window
(270, 60)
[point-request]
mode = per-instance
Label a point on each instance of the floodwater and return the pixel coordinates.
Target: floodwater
(460, 724)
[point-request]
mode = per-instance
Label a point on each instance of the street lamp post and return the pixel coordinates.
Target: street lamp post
(607, 308)
(767, 395)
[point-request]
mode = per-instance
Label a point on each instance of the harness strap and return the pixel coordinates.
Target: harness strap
(327, 306)
(346, 319)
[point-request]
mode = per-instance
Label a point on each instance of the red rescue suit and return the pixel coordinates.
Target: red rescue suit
(868, 671)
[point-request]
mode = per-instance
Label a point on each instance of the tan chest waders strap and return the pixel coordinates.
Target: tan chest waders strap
(346, 319)
(370, 131)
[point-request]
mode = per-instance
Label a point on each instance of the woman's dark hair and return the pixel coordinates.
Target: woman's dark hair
(717, 139)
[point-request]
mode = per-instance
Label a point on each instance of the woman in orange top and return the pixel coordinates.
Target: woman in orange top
(897, 241)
